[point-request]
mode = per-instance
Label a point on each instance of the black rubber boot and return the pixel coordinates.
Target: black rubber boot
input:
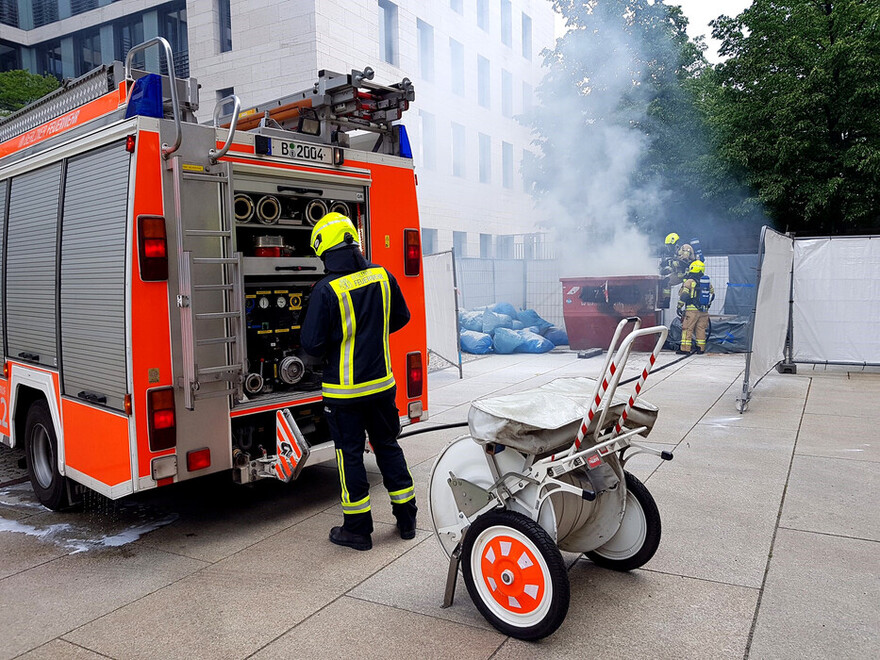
(341, 536)
(407, 533)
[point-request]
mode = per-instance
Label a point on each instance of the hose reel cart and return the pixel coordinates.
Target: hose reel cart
(543, 470)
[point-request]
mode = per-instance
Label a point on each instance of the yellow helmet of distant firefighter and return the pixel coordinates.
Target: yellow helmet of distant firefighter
(697, 267)
(672, 239)
(332, 231)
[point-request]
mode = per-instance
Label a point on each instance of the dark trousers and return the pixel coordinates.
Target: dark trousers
(378, 418)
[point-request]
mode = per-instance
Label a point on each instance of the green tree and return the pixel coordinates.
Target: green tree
(797, 111)
(622, 130)
(18, 88)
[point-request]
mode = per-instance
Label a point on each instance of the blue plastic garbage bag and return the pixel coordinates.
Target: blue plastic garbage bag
(471, 321)
(503, 308)
(492, 320)
(507, 340)
(533, 343)
(517, 325)
(530, 317)
(557, 335)
(475, 342)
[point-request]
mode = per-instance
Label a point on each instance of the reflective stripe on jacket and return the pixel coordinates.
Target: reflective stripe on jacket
(348, 320)
(689, 294)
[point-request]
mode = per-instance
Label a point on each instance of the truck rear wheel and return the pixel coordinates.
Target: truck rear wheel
(41, 447)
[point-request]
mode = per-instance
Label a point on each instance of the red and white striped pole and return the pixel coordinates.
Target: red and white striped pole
(639, 385)
(594, 406)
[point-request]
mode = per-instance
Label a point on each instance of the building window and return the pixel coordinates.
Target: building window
(429, 241)
(81, 6)
(173, 23)
(388, 31)
(505, 247)
(483, 82)
(226, 108)
(225, 14)
(9, 57)
(44, 12)
(128, 32)
(483, 14)
(456, 66)
(506, 23)
(426, 50)
(506, 93)
(456, 6)
(458, 148)
(526, 37)
(485, 158)
(527, 95)
(459, 243)
(87, 50)
(8, 16)
(49, 58)
(507, 164)
(429, 140)
(485, 246)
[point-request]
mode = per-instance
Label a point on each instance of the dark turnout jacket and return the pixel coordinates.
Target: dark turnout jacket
(351, 312)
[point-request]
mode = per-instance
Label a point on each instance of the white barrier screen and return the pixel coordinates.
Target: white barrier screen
(441, 310)
(836, 300)
(771, 307)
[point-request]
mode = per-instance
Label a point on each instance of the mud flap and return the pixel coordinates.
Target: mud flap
(291, 448)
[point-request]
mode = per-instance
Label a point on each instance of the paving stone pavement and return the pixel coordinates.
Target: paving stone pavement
(771, 533)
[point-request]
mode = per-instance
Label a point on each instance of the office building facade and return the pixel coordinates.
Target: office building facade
(475, 65)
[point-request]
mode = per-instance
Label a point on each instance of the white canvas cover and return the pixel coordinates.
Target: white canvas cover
(770, 325)
(836, 300)
(546, 418)
(441, 310)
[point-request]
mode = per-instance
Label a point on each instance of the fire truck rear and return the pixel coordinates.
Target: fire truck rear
(155, 274)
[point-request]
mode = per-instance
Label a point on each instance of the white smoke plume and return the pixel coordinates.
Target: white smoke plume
(592, 186)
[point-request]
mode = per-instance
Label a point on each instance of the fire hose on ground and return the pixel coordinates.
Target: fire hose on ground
(456, 425)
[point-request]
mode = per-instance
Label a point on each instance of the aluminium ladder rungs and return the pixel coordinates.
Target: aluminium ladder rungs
(219, 233)
(213, 287)
(226, 368)
(214, 260)
(216, 340)
(212, 316)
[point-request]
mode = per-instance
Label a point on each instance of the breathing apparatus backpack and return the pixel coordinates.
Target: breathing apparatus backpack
(704, 295)
(698, 249)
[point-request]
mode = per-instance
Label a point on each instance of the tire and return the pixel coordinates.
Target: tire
(526, 597)
(638, 536)
(41, 448)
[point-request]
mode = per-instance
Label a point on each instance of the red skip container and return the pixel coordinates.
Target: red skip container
(593, 306)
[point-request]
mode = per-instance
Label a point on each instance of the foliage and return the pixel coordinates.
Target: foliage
(796, 110)
(18, 88)
(621, 126)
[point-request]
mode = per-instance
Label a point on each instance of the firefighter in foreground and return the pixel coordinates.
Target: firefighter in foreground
(677, 257)
(694, 298)
(350, 314)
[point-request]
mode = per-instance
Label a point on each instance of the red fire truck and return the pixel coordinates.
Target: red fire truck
(155, 272)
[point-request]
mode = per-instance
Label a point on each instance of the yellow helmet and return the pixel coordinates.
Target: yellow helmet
(672, 239)
(697, 266)
(332, 231)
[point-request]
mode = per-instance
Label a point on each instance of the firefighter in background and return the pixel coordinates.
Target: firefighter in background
(674, 265)
(350, 314)
(695, 297)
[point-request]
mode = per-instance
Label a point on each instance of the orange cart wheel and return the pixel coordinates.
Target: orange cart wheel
(515, 575)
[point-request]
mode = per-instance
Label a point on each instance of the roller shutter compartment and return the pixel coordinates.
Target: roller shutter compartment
(30, 266)
(93, 239)
(4, 186)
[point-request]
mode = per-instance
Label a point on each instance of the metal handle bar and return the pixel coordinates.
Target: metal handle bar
(622, 357)
(169, 61)
(236, 108)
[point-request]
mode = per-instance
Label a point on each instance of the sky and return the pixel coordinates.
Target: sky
(700, 12)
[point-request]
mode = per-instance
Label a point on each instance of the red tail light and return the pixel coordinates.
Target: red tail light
(198, 459)
(130, 143)
(163, 423)
(153, 248)
(413, 252)
(414, 379)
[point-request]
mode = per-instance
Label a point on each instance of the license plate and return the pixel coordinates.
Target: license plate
(311, 153)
